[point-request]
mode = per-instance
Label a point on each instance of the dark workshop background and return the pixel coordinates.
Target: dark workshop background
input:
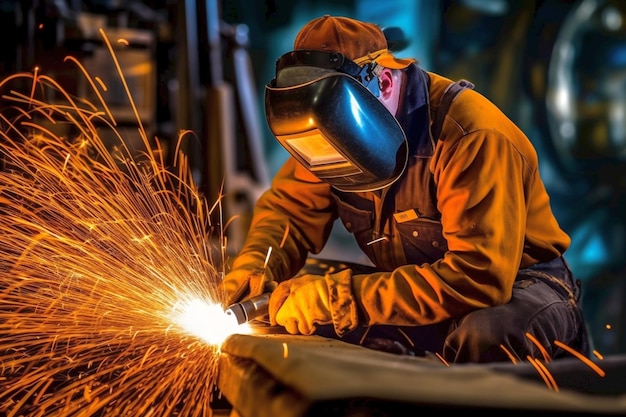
(557, 68)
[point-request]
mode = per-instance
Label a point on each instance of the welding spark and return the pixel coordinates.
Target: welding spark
(207, 320)
(544, 373)
(108, 282)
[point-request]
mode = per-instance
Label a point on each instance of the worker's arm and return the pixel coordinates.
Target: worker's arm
(486, 187)
(294, 217)
(483, 191)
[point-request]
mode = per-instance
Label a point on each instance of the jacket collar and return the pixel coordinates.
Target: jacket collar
(414, 112)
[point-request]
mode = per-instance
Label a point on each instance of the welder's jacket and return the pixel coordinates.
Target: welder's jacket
(448, 237)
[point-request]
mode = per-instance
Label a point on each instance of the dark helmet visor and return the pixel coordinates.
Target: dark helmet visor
(338, 129)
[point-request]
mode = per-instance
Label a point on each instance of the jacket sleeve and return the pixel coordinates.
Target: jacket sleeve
(484, 188)
(295, 217)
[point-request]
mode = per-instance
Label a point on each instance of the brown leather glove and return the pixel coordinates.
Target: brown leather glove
(301, 303)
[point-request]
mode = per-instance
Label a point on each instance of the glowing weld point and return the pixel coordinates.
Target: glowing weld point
(207, 321)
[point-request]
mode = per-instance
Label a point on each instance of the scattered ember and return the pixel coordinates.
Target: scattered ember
(108, 278)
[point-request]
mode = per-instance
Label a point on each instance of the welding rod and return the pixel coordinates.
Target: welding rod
(249, 309)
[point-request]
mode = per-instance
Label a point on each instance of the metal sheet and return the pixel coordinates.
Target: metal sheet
(291, 376)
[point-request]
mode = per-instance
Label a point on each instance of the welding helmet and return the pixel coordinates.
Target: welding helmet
(322, 105)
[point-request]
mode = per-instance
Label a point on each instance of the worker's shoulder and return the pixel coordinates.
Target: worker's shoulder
(470, 97)
(470, 110)
(473, 117)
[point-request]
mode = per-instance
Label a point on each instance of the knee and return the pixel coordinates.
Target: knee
(477, 339)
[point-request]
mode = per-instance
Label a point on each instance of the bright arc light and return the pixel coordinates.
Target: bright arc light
(207, 321)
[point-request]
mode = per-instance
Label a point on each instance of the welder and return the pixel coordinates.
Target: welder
(441, 191)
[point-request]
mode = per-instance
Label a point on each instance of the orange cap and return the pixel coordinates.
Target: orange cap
(359, 41)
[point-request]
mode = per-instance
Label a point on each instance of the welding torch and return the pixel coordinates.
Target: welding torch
(247, 310)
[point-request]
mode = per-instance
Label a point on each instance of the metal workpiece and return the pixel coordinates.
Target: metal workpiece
(299, 376)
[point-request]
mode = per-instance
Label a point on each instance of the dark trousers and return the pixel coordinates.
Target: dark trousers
(544, 308)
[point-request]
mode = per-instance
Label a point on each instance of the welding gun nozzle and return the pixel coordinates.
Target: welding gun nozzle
(249, 309)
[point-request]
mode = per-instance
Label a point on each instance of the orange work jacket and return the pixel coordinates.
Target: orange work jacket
(448, 237)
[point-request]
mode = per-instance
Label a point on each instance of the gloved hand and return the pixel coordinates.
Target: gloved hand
(241, 284)
(301, 303)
